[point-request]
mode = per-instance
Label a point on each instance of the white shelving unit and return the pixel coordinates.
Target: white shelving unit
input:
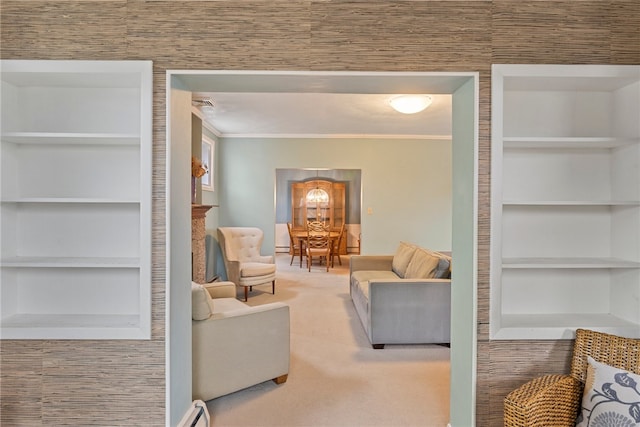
(75, 202)
(565, 243)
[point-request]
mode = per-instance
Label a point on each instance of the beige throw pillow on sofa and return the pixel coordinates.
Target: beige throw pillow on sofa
(200, 302)
(423, 265)
(402, 257)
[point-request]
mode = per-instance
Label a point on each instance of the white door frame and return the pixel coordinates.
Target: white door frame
(179, 84)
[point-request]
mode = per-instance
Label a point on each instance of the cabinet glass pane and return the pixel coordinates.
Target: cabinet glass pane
(298, 216)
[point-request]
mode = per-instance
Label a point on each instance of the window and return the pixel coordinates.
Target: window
(208, 146)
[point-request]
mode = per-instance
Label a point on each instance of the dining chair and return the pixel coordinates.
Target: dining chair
(296, 246)
(318, 243)
(336, 244)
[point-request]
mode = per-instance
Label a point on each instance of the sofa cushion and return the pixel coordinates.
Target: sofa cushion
(443, 270)
(423, 265)
(201, 302)
(362, 278)
(402, 258)
(225, 305)
(253, 269)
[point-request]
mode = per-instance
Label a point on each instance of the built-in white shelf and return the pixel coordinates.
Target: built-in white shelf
(567, 142)
(559, 262)
(561, 325)
(565, 212)
(69, 262)
(68, 200)
(71, 138)
(570, 203)
(79, 326)
(75, 206)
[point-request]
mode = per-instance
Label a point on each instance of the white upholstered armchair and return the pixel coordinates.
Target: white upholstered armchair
(245, 266)
(235, 346)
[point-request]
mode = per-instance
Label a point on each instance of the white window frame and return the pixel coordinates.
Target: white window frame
(208, 150)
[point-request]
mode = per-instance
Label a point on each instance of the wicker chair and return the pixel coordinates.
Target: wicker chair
(554, 400)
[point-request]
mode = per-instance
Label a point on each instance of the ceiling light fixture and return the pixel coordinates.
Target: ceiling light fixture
(410, 104)
(317, 195)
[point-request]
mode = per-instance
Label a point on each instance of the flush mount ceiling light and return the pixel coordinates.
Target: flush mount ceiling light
(410, 104)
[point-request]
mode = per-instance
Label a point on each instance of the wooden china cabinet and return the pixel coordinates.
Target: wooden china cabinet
(332, 212)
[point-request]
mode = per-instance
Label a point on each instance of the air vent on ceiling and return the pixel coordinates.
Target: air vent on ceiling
(205, 102)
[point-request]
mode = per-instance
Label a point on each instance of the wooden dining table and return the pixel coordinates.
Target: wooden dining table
(301, 236)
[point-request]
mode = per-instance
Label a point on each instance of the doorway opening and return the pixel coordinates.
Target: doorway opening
(292, 209)
(463, 87)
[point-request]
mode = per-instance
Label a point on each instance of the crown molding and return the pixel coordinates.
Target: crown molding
(334, 136)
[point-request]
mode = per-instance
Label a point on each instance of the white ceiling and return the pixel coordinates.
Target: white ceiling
(325, 104)
(322, 114)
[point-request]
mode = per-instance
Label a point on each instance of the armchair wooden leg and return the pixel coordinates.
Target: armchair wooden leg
(281, 379)
(273, 287)
(246, 293)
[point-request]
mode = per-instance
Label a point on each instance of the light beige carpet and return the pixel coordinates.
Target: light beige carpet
(336, 378)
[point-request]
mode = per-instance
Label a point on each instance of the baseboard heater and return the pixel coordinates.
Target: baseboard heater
(197, 415)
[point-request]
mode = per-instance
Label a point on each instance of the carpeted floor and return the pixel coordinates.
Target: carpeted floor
(336, 378)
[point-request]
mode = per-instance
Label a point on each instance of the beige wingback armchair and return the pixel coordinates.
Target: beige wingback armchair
(235, 346)
(245, 266)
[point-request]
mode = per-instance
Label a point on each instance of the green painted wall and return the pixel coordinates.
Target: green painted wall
(406, 183)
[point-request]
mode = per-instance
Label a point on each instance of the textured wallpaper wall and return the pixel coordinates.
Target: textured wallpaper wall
(122, 383)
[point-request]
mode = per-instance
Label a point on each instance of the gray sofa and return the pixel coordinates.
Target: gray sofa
(403, 298)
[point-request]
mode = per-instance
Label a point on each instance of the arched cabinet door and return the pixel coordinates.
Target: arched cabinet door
(332, 211)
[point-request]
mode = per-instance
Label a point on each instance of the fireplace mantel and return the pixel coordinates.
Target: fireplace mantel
(198, 233)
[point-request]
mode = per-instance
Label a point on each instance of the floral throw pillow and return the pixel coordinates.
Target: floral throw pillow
(611, 397)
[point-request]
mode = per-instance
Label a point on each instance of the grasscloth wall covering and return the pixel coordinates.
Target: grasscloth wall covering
(122, 382)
